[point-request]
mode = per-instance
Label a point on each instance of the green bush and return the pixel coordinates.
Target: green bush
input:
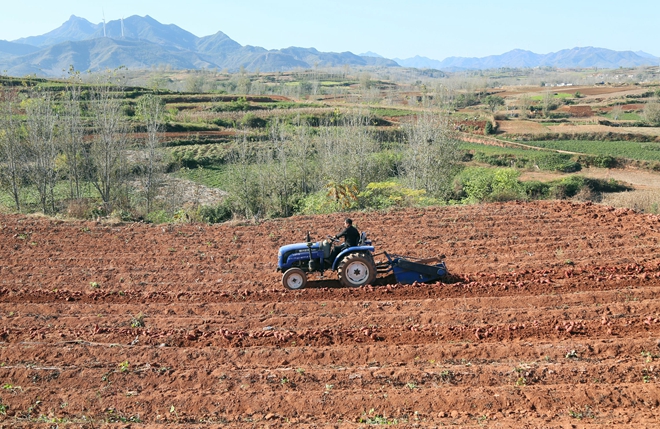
(567, 187)
(488, 128)
(215, 214)
(159, 216)
(317, 203)
(250, 120)
(223, 123)
(382, 195)
(536, 190)
(477, 184)
(239, 105)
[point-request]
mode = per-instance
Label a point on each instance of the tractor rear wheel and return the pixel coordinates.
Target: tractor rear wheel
(294, 279)
(357, 269)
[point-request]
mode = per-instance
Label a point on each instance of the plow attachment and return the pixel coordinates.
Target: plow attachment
(408, 270)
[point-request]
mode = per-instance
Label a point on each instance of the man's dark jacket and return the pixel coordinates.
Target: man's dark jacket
(351, 235)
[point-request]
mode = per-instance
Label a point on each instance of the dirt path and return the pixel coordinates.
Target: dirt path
(553, 320)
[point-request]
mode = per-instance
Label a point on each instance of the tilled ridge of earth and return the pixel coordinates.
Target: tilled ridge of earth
(550, 318)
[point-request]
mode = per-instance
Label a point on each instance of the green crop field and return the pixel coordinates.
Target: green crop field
(496, 150)
(559, 95)
(641, 151)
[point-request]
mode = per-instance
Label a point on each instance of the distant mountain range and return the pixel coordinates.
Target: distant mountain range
(587, 57)
(142, 42)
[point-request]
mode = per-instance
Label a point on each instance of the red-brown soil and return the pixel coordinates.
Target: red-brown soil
(578, 111)
(552, 319)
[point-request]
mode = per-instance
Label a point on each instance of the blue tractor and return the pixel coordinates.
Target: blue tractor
(355, 266)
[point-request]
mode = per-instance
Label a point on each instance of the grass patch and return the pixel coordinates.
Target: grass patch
(212, 176)
(391, 112)
(630, 116)
(522, 158)
(30, 197)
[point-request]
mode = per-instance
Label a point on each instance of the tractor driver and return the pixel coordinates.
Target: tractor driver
(351, 238)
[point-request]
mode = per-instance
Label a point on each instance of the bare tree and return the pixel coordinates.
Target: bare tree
(617, 112)
(243, 185)
(108, 146)
(302, 155)
(13, 150)
(547, 103)
(345, 149)
(41, 132)
(151, 110)
(431, 153)
(524, 105)
(651, 112)
(282, 180)
(71, 133)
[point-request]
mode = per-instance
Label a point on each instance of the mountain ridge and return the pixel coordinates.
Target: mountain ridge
(143, 42)
(578, 57)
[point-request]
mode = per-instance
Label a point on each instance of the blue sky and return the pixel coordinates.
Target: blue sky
(435, 29)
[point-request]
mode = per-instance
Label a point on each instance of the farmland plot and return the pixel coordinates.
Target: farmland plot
(551, 319)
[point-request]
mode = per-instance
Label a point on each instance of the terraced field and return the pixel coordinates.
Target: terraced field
(550, 319)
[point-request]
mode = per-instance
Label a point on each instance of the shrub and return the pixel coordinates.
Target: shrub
(566, 187)
(488, 128)
(317, 203)
(158, 216)
(478, 184)
(214, 214)
(239, 105)
(506, 186)
(536, 190)
(223, 123)
(250, 120)
(382, 195)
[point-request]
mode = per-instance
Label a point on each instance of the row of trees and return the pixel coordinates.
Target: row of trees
(326, 168)
(80, 134)
(79, 137)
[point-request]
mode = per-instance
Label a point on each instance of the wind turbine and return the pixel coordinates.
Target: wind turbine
(103, 11)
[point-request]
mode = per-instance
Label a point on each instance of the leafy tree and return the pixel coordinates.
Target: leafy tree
(493, 102)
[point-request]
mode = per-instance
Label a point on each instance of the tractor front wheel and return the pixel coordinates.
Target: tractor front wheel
(294, 279)
(357, 269)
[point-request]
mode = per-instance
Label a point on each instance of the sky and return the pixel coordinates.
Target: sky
(402, 29)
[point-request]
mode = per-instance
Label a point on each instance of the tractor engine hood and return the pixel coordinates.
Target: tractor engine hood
(297, 246)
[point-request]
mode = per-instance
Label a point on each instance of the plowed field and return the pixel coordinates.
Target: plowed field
(552, 319)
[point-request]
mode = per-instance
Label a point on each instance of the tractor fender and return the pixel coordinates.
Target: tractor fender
(345, 252)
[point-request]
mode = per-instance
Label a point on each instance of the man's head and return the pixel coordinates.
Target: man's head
(348, 222)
